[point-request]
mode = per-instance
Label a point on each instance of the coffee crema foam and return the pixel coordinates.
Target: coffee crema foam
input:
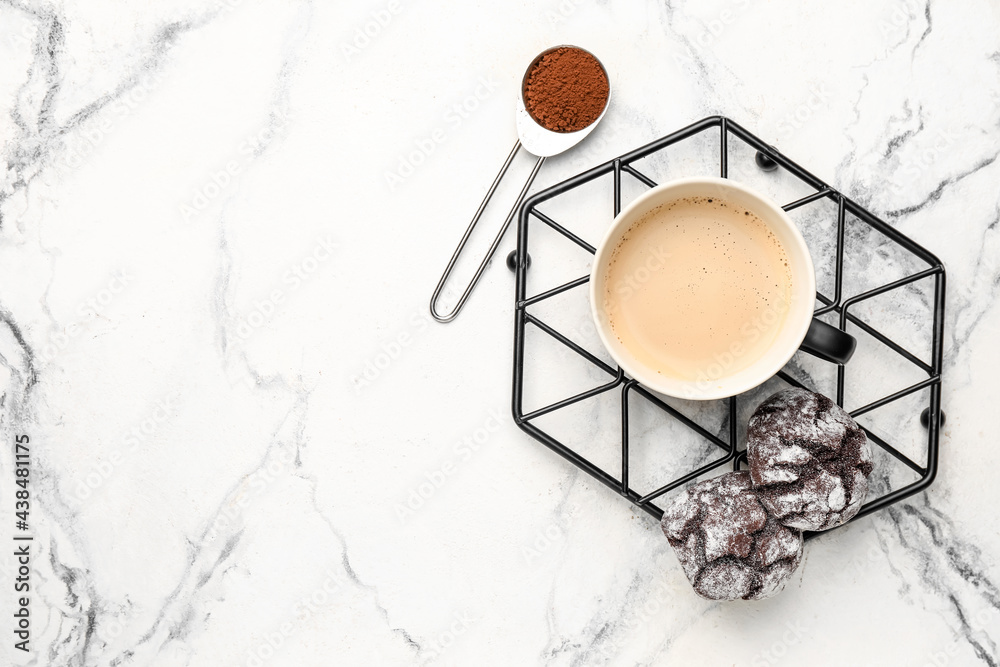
(698, 288)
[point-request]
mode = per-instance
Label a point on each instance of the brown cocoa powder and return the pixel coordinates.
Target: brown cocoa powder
(566, 90)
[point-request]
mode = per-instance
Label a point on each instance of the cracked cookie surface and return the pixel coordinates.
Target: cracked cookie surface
(809, 460)
(729, 547)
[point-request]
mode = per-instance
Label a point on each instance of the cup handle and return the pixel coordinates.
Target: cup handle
(828, 342)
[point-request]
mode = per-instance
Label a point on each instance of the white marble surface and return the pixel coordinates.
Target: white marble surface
(202, 260)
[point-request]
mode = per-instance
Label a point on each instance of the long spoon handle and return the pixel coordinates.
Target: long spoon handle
(449, 316)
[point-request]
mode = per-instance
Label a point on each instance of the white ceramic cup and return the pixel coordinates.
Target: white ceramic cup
(717, 381)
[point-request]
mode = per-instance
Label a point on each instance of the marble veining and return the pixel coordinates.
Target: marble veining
(220, 224)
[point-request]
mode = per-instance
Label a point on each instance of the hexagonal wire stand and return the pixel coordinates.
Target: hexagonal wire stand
(767, 158)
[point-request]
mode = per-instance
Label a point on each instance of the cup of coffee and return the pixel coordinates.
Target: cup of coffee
(703, 289)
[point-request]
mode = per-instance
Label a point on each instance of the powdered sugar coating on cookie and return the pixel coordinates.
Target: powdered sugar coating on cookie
(809, 460)
(729, 547)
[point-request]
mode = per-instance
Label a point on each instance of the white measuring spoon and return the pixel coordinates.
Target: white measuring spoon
(536, 140)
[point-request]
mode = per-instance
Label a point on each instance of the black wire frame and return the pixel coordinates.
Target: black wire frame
(729, 453)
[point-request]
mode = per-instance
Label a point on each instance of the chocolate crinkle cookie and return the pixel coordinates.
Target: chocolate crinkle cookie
(729, 546)
(808, 460)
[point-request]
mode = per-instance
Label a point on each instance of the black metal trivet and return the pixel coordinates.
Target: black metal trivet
(908, 298)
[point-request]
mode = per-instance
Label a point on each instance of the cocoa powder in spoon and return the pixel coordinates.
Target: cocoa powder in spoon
(566, 90)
